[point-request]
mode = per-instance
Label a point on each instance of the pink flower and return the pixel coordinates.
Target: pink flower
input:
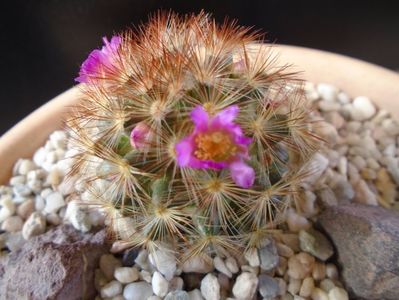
(140, 137)
(217, 143)
(99, 60)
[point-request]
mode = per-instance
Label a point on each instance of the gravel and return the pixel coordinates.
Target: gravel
(360, 163)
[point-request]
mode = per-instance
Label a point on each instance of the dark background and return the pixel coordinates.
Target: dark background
(44, 42)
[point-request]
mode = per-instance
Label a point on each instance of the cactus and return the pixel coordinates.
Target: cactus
(189, 133)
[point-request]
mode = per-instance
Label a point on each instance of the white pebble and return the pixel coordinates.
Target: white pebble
(126, 274)
(19, 179)
(337, 294)
(12, 224)
(364, 194)
(40, 156)
(78, 217)
(164, 260)
(111, 289)
(296, 222)
(245, 286)
(327, 91)
(25, 166)
(252, 257)
(210, 287)
(198, 264)
(7, 207)
(160, 285)
(232, 265)
(34, 225)
(221, 266)
(195, 295)
(319, 294)
(54, 202)
(137, 291)
(362, 109)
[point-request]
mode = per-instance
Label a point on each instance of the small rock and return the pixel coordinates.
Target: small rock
(77, 216)
(337, 293)
(25, 209)
(21, 190)
(25, 166)
(328, 92)
(177, 295)
(39, 203)
(385, 186)
(160, 285)
(327, 284)
(231, 264)
(296, 222)
(307, 287)
(319, 294)
(319, 271)
(20, 179)
(268, 255)
(327, 197)
(316, 166)
(108, 264)
(165, 261)
(364, 195)
(252, 257)
(300, 265)
(176, 283)
(126, 274)
(221, 266)
(146, 276)
(366, 239)
(331, 271)
(111, 289)
(12, 224)
(343, 191)
(284, 250)
(210, 288)
(34, 225)
(198, 264)
(294, 286)
(291, 240)
(142, 259)
(54, 202)
(137, 291)
(328, 106)
(14, 241)
(362, 109)
(195, 295)
(268, 286)
(245, 286)
(315, 243)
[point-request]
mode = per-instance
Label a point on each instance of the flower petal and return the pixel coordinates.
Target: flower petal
(184, 151)
(227, 115)
(242, 174)
(200, 118)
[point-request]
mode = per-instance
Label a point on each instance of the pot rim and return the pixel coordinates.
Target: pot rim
(379, 84)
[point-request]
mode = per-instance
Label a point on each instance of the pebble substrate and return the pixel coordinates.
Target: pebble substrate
(360, 163)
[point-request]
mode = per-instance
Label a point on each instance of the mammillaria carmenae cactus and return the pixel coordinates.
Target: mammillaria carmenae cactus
(189, 134)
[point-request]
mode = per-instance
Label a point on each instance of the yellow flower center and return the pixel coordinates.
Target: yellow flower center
(216, 146)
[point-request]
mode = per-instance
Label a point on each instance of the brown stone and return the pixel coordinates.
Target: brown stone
(367, 242)
(59, 264)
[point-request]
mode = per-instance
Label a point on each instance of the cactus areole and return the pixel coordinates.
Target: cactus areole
(190, 135)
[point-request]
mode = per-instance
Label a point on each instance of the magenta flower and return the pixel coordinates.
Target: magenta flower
(217, 143)
(99, 60)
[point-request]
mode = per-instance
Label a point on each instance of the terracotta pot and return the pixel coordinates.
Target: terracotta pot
(353, 76)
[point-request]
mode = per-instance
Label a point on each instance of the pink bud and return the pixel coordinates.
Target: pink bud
(141, 136)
